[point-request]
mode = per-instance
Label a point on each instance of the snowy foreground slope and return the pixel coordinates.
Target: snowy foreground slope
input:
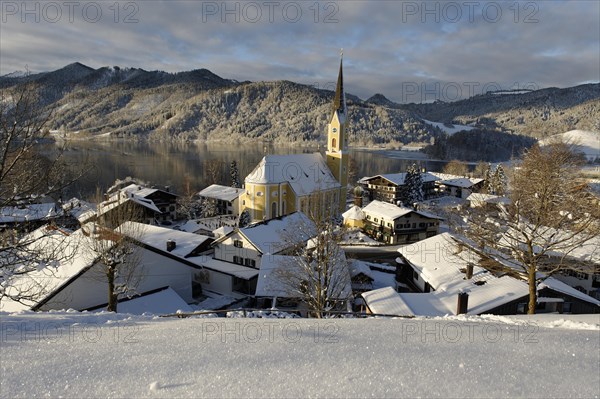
(64, 354)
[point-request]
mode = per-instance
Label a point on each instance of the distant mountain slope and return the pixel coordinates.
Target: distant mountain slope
(585, 142)
(539, 114)
(198, 104)
(129, 102)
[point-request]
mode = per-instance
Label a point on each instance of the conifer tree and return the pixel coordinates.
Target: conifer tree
(235, 175)
(414, 185)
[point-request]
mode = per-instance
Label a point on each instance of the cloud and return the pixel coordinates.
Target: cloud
(389, 46)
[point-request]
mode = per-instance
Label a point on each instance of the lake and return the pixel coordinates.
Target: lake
(184, 164)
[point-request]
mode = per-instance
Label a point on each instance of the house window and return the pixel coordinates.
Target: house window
(238, 244)
(259, 194)
(415, 276)
(202, 276)
(238, 260)
(273, 210)
(243, 202)
(249, 262)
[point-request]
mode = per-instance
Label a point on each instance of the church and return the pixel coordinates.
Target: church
(283, 184)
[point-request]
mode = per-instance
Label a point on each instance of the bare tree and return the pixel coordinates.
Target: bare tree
(550, 215)
(188, 204)
(317, 273)
(213, 170)
(113, 246)
(26, 173)
(456, 167)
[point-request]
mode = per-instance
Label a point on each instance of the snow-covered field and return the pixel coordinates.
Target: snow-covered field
(64, 354)
(586, 142)
(449, 128)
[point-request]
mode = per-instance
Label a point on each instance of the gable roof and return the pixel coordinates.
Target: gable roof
(276, 235)
(306, 173)
(455, 180)
(354, 213)
(28, 213)
(386, 301)
(220, 192)
(398, 178)
(49, 278)
(121, 198)
(391, 211)
(157, 237)
(442, 260)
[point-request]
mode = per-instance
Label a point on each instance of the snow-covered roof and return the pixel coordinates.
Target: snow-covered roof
(391, 211)
(157, 237)
(165, 301)
(233, 269)
(385, 210)
(138, 190)
(442, 261)
(357, 267)
(270, 282)
(386, 301)
(354, 213)
(223, 231)
(456, 181)
(398, 178)
(224, 193)
(81, 210)
(306, 173)
(27, 213)
(49, 277)
(566, 289)
(481, 198)
(275, 235)
(122, 197)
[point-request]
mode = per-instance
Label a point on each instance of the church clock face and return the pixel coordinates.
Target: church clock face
(334, 130)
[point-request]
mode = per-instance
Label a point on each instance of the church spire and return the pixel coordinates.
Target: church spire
(339, 103)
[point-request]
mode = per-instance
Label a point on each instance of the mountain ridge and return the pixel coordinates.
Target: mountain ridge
(201, 105)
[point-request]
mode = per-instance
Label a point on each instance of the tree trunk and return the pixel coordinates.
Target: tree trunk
(112, 298)
(532, 292)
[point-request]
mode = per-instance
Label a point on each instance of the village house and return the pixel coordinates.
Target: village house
(149, 205)
(392, 224)
(392, 188)
(225, 198)
(77, 281)
(456, 186)
(450, 277)
(28, 216)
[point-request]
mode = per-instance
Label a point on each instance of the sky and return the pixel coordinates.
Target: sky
(410, 51)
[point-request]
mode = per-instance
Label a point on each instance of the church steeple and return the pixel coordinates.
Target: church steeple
(339, 103)
(337, 139)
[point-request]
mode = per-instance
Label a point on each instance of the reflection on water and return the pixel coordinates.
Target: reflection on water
(180, 164)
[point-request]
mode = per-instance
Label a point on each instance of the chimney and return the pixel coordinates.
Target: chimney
(171, 245)
(469, 270)
(168, 189)
(463, 303)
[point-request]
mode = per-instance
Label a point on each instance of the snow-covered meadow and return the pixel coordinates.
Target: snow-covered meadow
(70, 354)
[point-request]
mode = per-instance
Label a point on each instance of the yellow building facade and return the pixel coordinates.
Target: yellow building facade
(283, 184)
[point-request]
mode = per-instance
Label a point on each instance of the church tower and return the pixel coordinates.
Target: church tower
(337, 139)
